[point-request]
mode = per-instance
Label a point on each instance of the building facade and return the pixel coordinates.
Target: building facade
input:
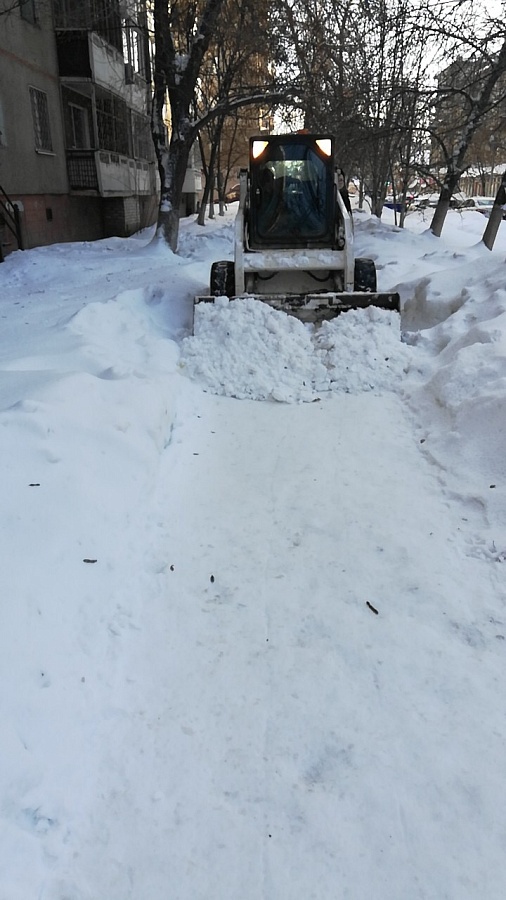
(458, 84)
(76, 155)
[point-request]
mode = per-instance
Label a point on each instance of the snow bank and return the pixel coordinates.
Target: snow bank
(461, 402)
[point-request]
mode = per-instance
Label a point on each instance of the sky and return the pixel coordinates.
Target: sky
(253, 627)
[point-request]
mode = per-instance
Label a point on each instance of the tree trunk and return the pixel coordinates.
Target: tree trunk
(438, 219)
(211, 197)
(496, 215)
(173, 170)
(201, 218)
(207, 197)
(175, 77)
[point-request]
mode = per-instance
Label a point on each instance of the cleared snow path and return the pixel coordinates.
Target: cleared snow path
(306, 739)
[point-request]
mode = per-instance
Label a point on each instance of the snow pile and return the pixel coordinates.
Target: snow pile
(461, 400)
(134, 324)
(215, 240)
(362, 351)
(246, 349)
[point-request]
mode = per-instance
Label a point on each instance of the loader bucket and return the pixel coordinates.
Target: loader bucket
(318, 308)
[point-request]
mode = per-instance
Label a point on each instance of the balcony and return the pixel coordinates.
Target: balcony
(85, 58)
(108, 174)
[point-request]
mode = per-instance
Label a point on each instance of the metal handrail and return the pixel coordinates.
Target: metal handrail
(10, 213)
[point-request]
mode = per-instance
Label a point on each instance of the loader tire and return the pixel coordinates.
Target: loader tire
(222, 279)
(365, 275)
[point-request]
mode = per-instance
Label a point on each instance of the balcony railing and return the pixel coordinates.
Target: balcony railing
(82, 170)
(108, 174)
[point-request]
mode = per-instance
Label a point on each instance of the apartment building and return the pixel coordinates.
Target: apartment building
(76, 155)
(486, 155)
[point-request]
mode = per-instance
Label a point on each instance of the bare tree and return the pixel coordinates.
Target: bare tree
(363, 64)
(214, 130)
(184, 31)
(473, 83)
(386, 84)
(233, 67)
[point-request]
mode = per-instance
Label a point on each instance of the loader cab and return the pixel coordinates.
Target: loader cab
(292, 192)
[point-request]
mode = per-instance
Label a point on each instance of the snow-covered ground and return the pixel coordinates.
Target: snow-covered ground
(253, 633)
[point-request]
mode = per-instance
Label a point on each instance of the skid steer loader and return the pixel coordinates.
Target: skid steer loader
(293, 244)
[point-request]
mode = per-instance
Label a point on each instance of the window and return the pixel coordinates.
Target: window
(134, 47)
(77, 120)
(102, 16)
(142, 141)
(41, 125)
(107, 21)
(80, 135)
(112, 123)
(28, 12)
(71, 13)
(294, 205)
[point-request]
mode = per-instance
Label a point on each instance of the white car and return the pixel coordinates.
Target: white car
(480, 204)
(430, 201)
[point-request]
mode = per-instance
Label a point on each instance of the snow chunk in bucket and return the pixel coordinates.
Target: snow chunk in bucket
(246, 349)
(362, 351)
(243, 348)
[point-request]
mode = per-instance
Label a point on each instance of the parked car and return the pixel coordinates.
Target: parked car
(481, 204)
(396, 203)
(233, 193)
(430, 201)
(425, 201)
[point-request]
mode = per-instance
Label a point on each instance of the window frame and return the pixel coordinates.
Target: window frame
(41, 121)
(85, 125)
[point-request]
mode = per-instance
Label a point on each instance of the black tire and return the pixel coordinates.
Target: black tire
(365, 276)
(222, 279)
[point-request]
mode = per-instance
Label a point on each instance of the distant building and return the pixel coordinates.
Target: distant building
(486, 156)
(242, 124)
(234, 155)
(76, 154)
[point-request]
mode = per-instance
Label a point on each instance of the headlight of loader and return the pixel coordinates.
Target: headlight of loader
(325, 145)
(257, 148)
